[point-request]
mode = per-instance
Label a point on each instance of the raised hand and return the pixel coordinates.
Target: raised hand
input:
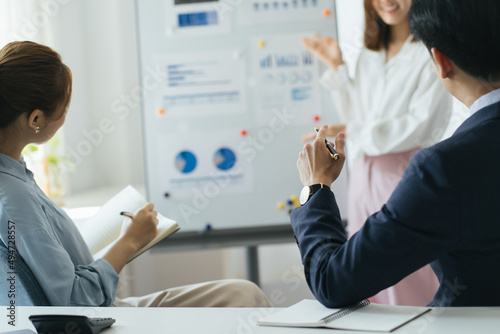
(326, 49)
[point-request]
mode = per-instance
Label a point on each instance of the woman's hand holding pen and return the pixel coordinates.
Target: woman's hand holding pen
(333, 131)
(326, 49)
(315, 163)
(137, 230)
(140, 228)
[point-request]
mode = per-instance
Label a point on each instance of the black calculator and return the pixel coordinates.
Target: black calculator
(58, 323)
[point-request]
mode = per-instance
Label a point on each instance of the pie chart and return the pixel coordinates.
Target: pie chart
(185, 162)
(224, 158)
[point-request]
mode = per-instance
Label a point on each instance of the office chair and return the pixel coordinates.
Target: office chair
(27, 289)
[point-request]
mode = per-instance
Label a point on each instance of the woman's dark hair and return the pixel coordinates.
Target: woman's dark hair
(377, 32)
(32, 76)
(467, 31)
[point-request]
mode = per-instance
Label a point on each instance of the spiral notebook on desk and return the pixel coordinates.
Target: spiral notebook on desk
(363, 316)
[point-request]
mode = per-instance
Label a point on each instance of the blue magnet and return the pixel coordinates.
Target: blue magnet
(208, 228)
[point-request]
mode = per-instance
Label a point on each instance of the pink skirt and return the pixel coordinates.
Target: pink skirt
(371, 182)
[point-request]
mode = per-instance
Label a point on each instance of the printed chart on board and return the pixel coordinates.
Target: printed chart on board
(287, 77)
(194, 165)
(200, 86)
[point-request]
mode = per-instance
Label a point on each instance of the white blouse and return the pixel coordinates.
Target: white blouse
(390, 107)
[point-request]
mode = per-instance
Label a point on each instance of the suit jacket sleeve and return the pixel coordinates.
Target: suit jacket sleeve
(416, 226)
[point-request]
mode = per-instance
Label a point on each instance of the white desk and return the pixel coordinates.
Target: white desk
(242, 320)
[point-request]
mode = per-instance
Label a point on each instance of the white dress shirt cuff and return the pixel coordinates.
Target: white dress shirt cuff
(334, 80)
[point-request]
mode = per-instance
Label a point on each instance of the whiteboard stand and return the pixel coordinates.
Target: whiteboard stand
(250, 238)
(253, 275)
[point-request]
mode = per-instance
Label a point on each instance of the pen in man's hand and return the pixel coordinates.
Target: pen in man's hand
(127, 214)
(330, 148)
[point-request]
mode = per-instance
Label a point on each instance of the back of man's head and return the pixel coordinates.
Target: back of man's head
(467, 31)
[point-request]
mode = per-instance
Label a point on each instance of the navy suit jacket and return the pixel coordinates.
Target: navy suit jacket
(445, 211)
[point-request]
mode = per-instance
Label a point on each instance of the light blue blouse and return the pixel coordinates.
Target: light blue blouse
(49, 242)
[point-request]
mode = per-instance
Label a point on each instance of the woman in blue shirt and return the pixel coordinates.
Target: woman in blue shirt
(35, 92)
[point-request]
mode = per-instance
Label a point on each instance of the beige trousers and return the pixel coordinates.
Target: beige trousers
(222, 293)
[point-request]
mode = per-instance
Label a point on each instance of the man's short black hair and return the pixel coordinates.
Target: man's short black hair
(467, 31)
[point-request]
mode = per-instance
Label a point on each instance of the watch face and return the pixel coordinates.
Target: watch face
(304, 195)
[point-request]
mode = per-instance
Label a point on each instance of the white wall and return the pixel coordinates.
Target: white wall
(350, 18)
(97, 39)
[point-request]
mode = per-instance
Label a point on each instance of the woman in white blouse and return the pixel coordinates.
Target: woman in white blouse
(393, 107)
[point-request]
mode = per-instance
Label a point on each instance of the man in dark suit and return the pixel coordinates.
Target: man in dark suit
(446, 209)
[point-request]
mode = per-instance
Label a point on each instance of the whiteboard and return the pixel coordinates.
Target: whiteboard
(227, 92)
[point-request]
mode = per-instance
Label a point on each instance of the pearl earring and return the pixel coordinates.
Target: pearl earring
(37, 129)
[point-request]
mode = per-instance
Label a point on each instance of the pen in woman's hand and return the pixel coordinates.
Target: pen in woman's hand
(127, 214)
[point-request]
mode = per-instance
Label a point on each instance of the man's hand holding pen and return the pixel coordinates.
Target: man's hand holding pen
(333, 130)
(316, 163)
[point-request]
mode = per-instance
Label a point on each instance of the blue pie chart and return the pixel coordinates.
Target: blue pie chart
(224, 158)
(185, 162)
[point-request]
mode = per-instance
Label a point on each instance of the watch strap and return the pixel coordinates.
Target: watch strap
(315, 187)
